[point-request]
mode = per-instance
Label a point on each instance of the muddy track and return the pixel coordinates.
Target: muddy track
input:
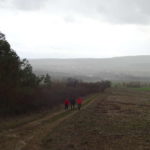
(29, 136)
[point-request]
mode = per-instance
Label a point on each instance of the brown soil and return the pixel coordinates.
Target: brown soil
(117, 119)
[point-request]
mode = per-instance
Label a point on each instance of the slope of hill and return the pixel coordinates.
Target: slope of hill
(116, 119)
(118, 68)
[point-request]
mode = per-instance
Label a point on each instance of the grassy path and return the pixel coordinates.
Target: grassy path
(29, 135)
(117, 119)
(120, 120)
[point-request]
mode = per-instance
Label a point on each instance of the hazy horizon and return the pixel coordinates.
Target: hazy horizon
(130, 68)
(90, 57)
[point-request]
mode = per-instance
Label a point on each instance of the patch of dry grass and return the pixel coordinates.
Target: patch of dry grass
(117, 121)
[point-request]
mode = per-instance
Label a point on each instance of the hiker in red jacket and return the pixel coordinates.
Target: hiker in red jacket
(79, 102)
(66, 102)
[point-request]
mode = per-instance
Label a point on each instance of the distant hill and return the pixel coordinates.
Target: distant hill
(130, 68)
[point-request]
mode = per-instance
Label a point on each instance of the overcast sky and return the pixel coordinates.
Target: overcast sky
(76, 28)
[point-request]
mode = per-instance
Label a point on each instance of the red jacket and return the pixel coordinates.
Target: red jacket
(66, 102)
(79, 101)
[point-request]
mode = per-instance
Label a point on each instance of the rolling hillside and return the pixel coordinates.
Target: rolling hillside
(131, 68)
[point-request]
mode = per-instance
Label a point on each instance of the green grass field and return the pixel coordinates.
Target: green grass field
(142, 89)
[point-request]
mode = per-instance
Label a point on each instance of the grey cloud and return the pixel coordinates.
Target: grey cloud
(114, 11)
(29, 4)
(120, 11)
(23, 4)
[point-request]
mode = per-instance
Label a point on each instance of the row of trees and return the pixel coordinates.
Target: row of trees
(132, 84)
(21, 91)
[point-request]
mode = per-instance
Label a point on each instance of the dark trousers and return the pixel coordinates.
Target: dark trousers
(66, 106)
(79, 106)
(72, 106)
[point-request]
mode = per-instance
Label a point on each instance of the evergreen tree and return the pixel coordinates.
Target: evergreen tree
(13, 71)
(47, 80)
(9, 64)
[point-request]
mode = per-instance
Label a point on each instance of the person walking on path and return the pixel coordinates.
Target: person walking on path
(79, 102)
(66, 102)
(72, 102)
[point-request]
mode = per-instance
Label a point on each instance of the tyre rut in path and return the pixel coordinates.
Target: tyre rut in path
(35, 142)
(29, 136)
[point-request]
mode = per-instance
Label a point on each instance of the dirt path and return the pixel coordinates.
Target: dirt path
(120, 120)
(29, 136)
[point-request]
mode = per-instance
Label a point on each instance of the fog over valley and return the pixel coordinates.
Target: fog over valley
(130, 68)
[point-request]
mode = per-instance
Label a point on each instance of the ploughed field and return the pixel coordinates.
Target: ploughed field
(118, 119)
